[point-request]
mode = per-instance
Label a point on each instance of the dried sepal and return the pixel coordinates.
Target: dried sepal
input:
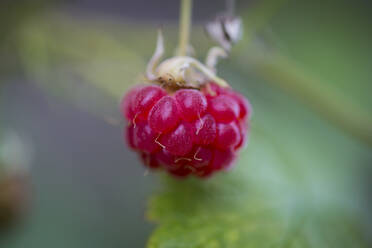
(213, 56)
(156, 57)
(182, 71)
(225, 30)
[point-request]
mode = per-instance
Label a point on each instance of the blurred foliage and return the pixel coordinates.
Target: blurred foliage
(14, 14)
(298, 182)
(323, 62)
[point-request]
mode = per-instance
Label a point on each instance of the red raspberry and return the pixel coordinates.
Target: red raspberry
(164, 115)
(143, 138)
(202, 157)
(228, 135)
(187, 131)
(192, 104)
(125, 104)
(206, 130)
(171, 162)
(224, 108)
(143, 100)
(149, 160)
(179, 141)
(223, 159)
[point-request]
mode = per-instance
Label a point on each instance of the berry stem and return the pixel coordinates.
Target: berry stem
(185, 23)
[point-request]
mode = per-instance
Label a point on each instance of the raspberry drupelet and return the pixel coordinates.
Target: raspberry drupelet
(187, 131)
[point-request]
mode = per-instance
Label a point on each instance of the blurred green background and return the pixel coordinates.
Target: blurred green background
(302, 181)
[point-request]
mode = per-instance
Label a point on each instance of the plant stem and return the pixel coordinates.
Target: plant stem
(185, 23)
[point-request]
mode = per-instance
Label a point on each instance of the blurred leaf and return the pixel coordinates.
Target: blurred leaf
(79, 62)
(321, 59)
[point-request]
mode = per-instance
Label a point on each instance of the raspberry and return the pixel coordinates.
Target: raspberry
(228, 135)
(243, 127)
(149, 160)
(186, 131)
(181, 172)
(169, 161)
(224, 108)
(144, 99)
(206, 130)
(202, 157)
(192, 104)
(223, 159)
(144, 137)
(244, 106)
(178, 141)
(212, 89)
(126, 103)
(164, 115)
(129, 136)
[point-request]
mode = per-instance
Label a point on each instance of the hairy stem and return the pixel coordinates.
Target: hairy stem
(185, 23)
